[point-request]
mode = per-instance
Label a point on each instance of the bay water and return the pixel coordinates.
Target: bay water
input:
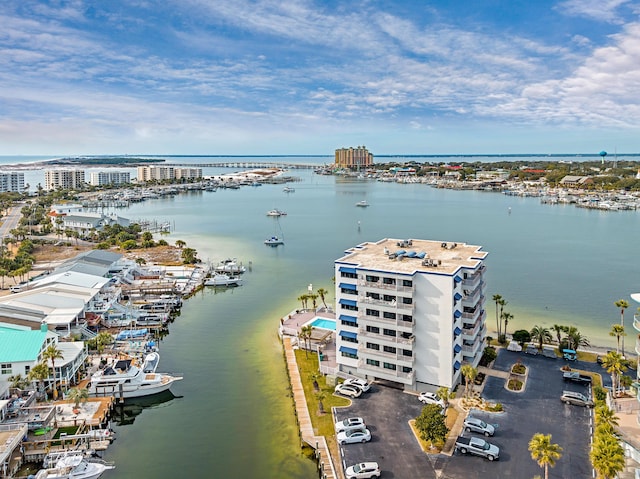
(233, 415)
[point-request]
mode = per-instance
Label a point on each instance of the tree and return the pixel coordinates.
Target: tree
(614, 364)
(78, 395)
(605, 415)
(521, 336)
(617, 331)
(622, 304)
(541, 335)
(607, 456)
(321, 396)
(559, 329)
(469, 373)
(313, 298)
(502, 304)
(497, 298)
(189, 256)
(431, 424)
(51, 354)
(180, 244)
(575, 339)
(39, 374)
(506, 317)
(305, 335)
(446, 395)
(544, 452)
(17, 381)
(314, 377)
(323, 293)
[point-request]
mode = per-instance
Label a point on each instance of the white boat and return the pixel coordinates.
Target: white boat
(126, 378)
(72, 465)
(220, 279)
(362, 203)
(229, 266)
(276, 212)
(288, 189)
(273, 241)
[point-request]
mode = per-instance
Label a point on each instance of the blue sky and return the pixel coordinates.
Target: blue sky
(308, 76)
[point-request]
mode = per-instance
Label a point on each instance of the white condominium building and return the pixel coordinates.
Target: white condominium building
(410, 311)
(110, 178)
(64, 179)
(11, 181)
(159, 173)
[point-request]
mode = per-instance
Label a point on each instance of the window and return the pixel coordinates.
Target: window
(387, 315)
(389, 366)
(349, 340)
(388, 297)
(373, 346)
(373, 312)
(348, 291)
(5, 368)
(348, 275)
(389, 349)
(349, 307)
(372, 279)
(406, 369)
(407, 317)
(373, 362)
(407, 352)
(389, 332)
(407, 283)
(407, 300)
(373, 295)
(349, 355)
(373, 329)
(388, 281)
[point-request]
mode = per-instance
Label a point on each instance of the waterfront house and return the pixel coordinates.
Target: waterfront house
(576, 181)
(410, 312)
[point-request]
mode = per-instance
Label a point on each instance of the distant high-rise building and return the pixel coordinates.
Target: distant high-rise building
(12, 181)
(110, 178)
(159, 173)
(188, 173)
(353, 157)
(410, 311)
(64, 179)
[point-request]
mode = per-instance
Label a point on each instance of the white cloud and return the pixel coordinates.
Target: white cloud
(601, 10)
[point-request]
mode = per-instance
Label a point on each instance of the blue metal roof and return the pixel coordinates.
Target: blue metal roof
(457, 348)
(457, 296)
(456, 365)
(457, 331)
(348, 334)
(18, 345)
(348, 319)
(344, 349)
(457, 278)
(348, 286)
(457, 313)
(348, 302)
(344, 269)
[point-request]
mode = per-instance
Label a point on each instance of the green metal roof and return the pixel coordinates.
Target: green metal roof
(20, 345)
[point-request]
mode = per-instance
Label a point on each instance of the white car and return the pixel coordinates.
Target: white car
(350, 423)
(347, 390)
(360, 383)
(364, 470)
(431, 398)
(354, 435)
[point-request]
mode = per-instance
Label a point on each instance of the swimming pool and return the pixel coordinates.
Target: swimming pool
(323, 323)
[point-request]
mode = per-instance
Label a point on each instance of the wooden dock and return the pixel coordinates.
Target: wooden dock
(307, 433)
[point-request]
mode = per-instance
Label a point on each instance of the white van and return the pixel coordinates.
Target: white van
(17, 288)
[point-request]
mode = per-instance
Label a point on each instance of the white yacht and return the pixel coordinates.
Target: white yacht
(220, 279)
(229, 266)
(276, 212)
(274, 241)
(72, 465)
(362, 203)
(126, 378)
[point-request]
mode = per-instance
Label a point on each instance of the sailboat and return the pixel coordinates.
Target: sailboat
(275, 240)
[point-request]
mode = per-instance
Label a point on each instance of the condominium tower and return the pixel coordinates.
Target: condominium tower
(12, 181)
(64, 179)
(353, 157)
(101, 178)
(410, 311)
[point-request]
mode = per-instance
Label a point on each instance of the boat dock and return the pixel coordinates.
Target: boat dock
(307, 434)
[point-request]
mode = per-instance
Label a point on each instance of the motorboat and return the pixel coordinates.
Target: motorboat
(362, 203)
(229, 266)
(276, 212)
(72, 465)
(288, 189)
(220, 279)
(126, 378)
(273, 241)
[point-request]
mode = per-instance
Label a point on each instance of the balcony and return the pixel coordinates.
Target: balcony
(638, 345)
(384, 373)
(471, 332)
(390, 340)
(636, 321)
(391, 305)
(379, 285)
(382, 355)
(399, 324)
(473, 349)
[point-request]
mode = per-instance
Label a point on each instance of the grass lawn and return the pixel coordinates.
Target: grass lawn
(322, 421)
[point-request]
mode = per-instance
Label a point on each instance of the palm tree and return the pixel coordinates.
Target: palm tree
(321, 396)
(469, 373)
(305, 335)
(322, 293)
(607, 456)
(506, 316)
(446, 395)
(559, 329)
(17, 381)
(544, 452)
(313, 298)
(622, 304)
(617, 330)
(502, 304)
(605, 415)
(497, 298)
(303, 299)
(39, 374)
(541, 335)
(576, 339)
(180, 244)
(51, 354)
(614, 364)
(314, 377)
(78, 395)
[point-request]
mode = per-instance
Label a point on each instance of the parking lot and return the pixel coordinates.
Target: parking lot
(538, 408)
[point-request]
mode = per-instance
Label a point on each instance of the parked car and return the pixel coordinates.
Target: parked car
(477, 446)
(473, 424)
(363, 470)
(575, 398)
(576, 377)
(569, 354)
(531, 349)
(431, 398)
(350, 423)
(347, 390)
(354, 435)
(360, 383)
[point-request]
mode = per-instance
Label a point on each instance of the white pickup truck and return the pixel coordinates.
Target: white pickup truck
(477, 446)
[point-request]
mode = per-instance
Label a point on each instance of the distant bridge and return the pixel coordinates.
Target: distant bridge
(248, 164)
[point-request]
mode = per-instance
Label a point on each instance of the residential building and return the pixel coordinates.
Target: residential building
(188, 173)
(63, 179)
(84, 221)
(12, 181)
(358, 157)
(410, 311)
(101, 178)
(155, 173)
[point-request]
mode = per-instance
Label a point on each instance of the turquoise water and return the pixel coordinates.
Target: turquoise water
(323, 324)
(233, 414)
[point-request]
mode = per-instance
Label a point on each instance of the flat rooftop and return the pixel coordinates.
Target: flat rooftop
(444, 257)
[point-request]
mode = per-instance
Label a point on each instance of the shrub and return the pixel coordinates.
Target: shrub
(514, 385)
(599, 394)
(489, 354)
(521, 336)
(519, 368)
(497, 407)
